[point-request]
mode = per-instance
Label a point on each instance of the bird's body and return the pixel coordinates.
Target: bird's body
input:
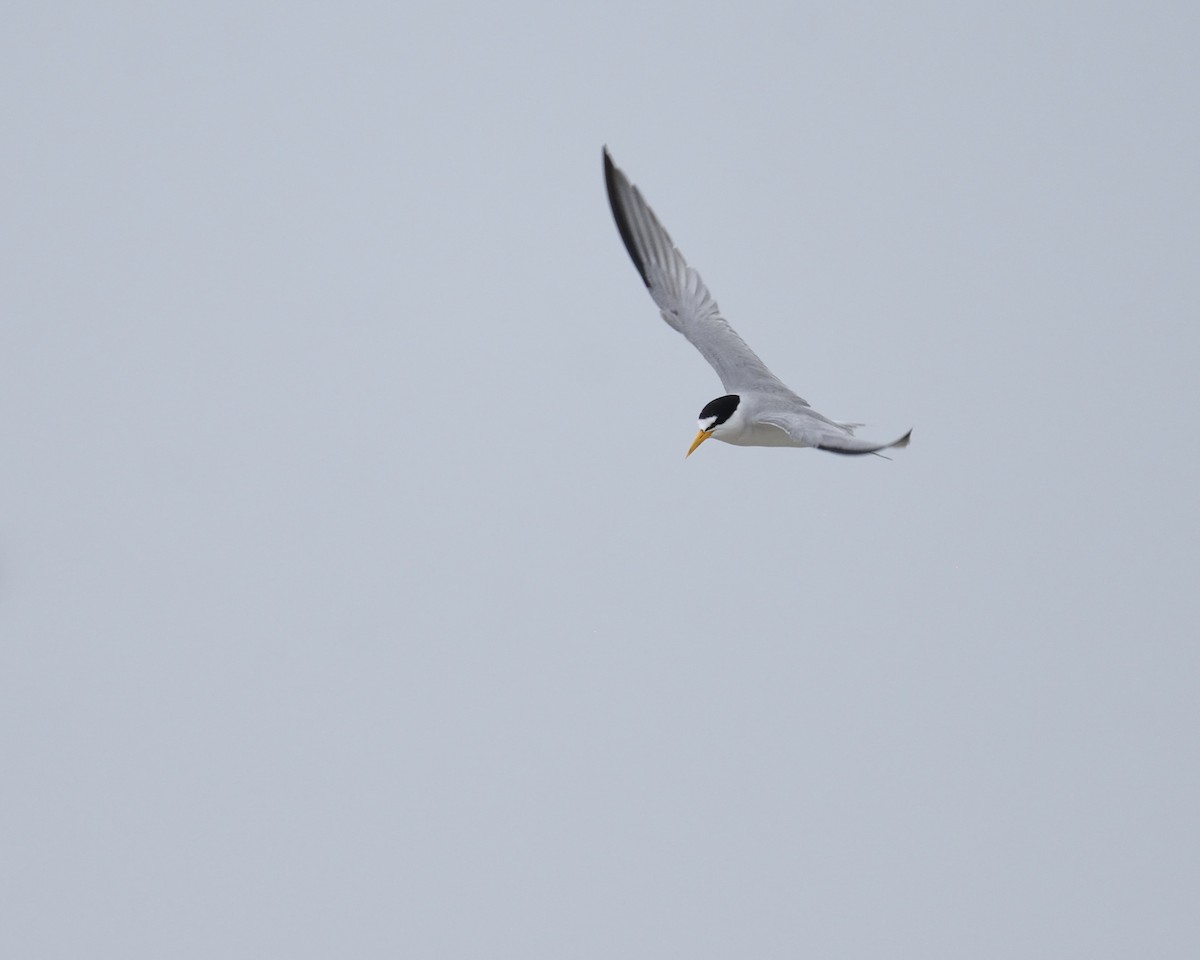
(758, 410)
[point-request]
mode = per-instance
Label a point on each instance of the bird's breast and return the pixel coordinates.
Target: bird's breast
(759, 435)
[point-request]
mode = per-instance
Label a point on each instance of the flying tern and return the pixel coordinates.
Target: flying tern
(758, 409)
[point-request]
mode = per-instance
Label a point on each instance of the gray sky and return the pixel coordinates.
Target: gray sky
(356, 598)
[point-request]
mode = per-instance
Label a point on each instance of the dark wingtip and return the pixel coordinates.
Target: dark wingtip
(851, 453)
(902, 442)
(610, 183)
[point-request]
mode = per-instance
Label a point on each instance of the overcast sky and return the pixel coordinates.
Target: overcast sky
(357, 600)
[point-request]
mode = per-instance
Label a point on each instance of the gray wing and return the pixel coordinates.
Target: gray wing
(808, 428)
(679, 292)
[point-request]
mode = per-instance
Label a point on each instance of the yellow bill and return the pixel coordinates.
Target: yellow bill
(700, 438)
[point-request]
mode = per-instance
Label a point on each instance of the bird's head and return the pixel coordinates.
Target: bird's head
(717, 418)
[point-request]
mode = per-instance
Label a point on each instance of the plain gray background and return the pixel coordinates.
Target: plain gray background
(357, 600)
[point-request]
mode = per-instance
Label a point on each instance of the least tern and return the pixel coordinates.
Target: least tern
(758, 409)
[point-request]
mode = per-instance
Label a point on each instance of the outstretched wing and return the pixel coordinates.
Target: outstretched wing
(810, 429)
(679, 292)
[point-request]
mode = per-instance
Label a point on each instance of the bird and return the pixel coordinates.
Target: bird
(757, 408)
